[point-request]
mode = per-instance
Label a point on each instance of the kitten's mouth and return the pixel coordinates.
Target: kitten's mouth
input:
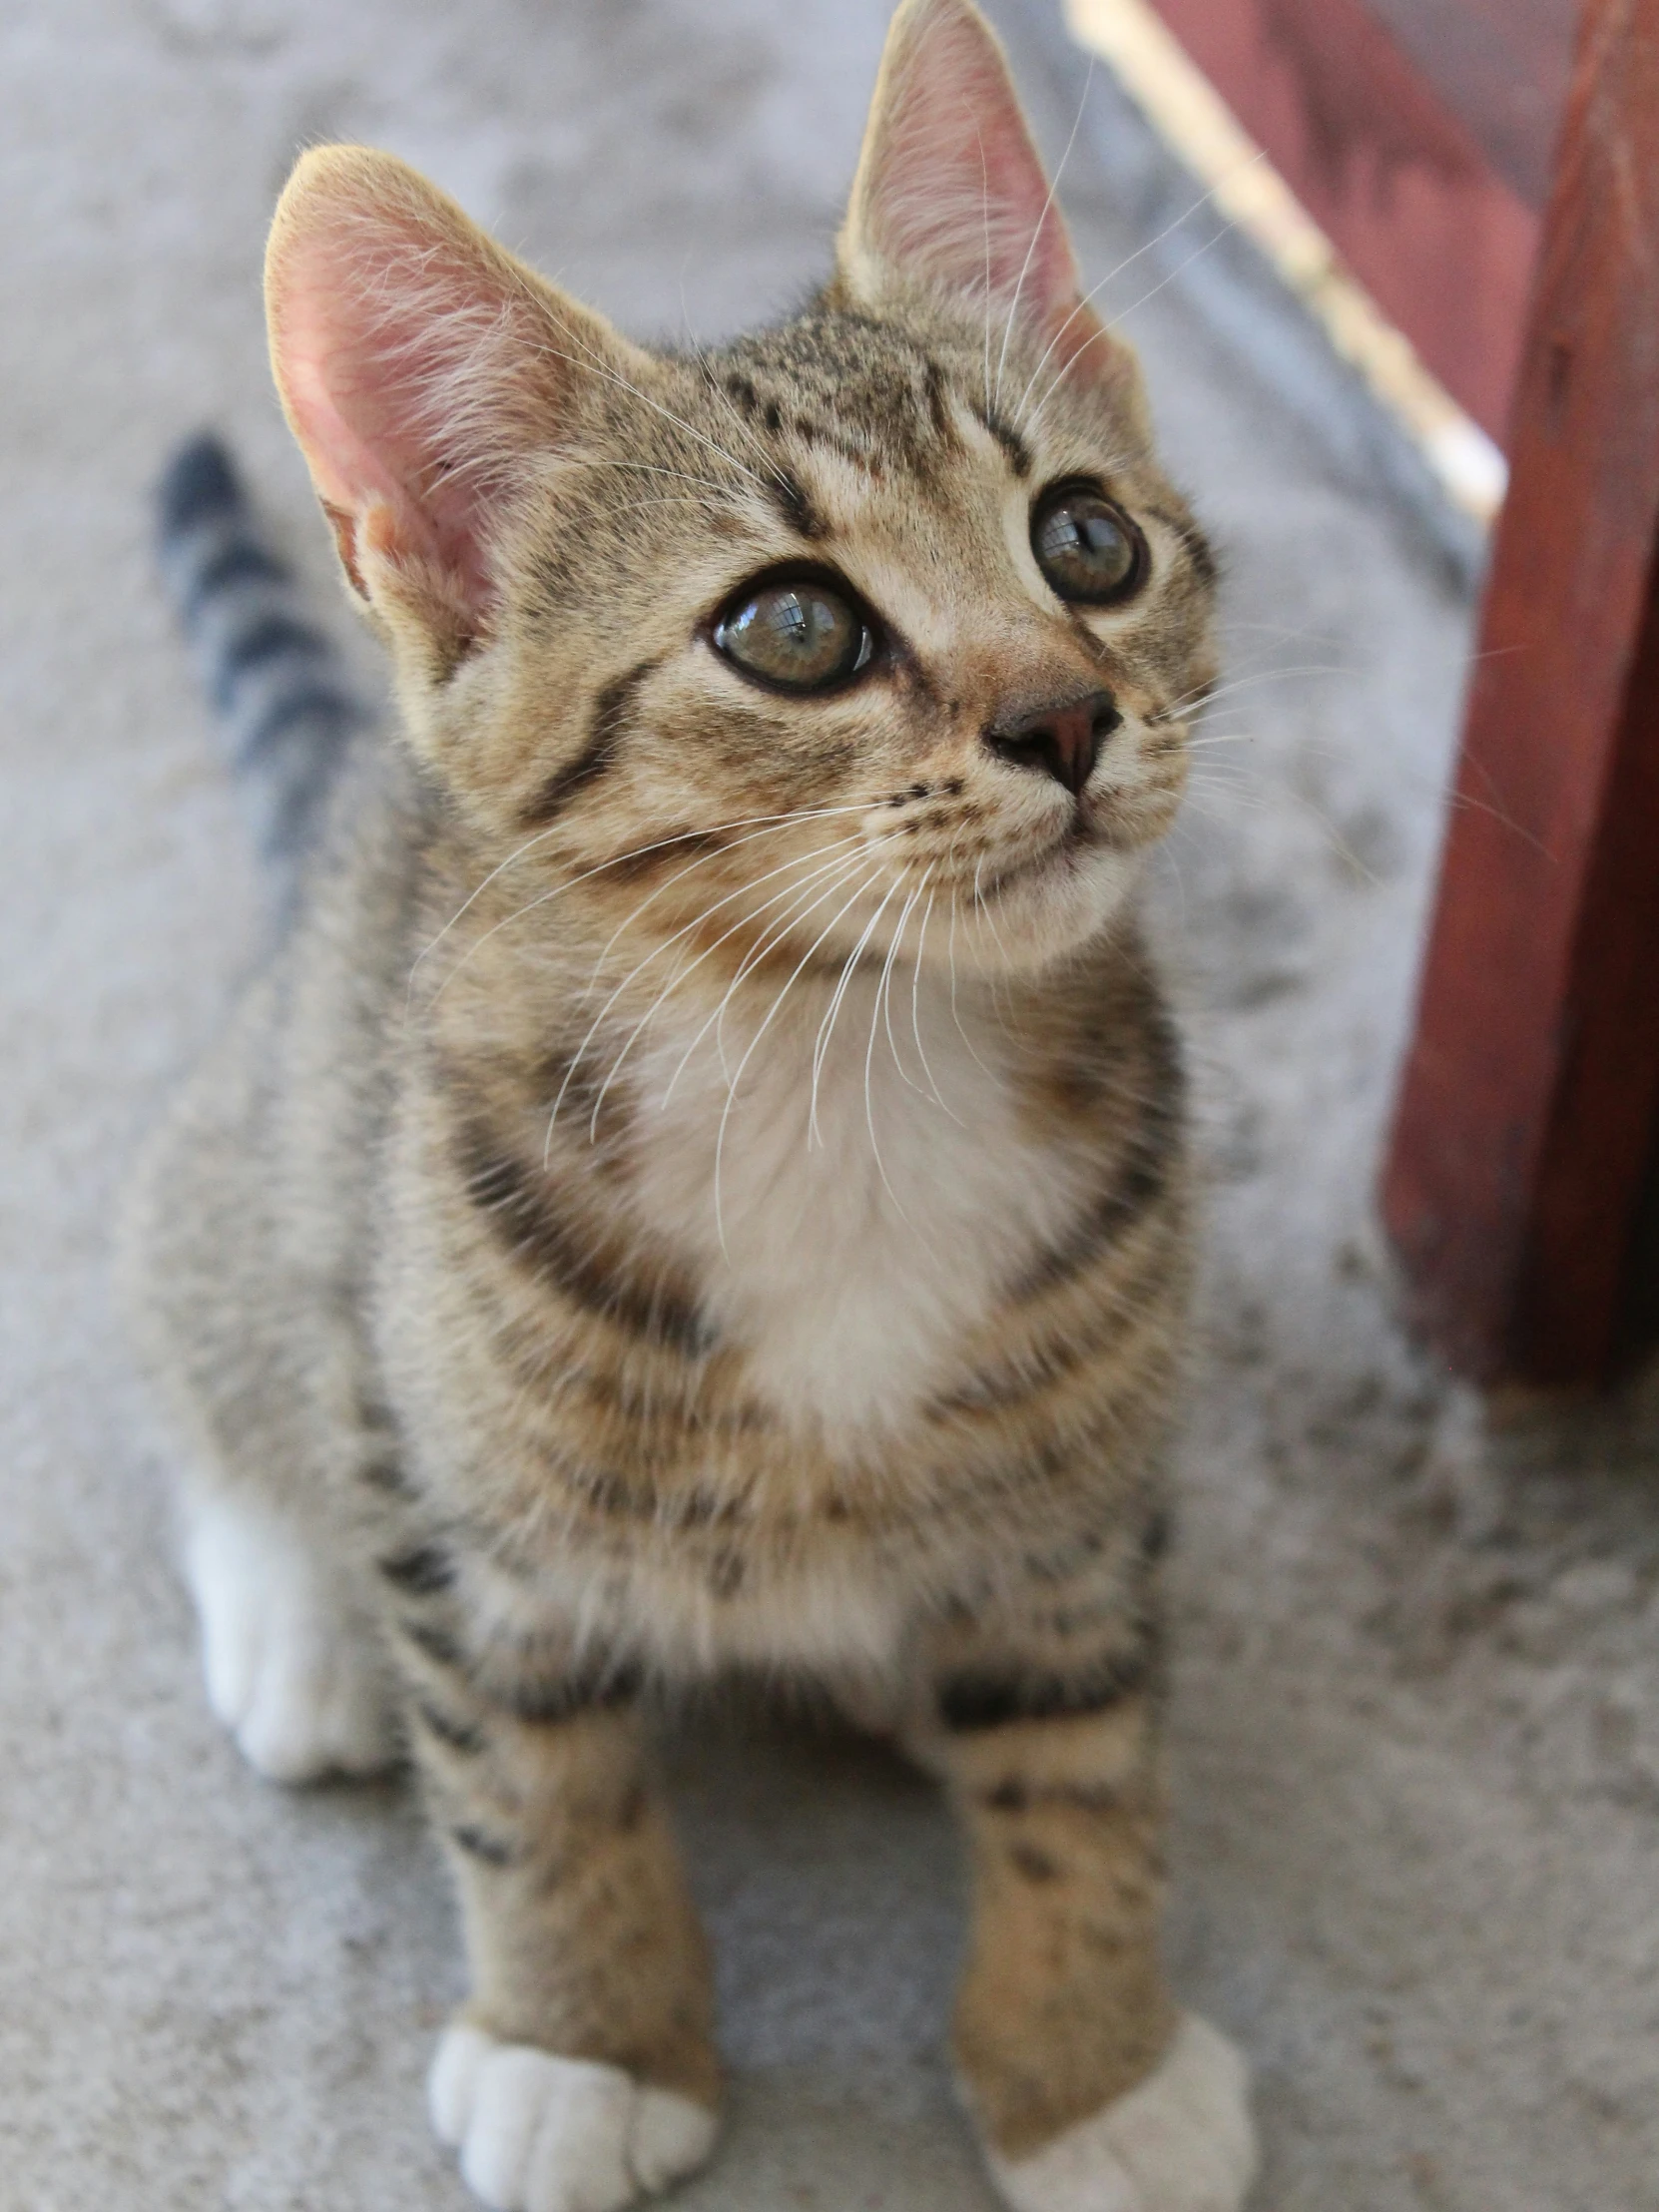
(1060, 855)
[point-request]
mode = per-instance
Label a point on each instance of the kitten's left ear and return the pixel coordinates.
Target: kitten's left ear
(950, 196)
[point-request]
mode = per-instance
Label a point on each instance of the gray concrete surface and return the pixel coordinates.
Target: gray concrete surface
(1417, 1725)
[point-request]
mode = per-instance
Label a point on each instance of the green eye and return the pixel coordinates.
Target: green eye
(1088, 549)
(796, 634)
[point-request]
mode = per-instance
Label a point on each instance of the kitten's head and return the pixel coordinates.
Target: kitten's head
(884, 613)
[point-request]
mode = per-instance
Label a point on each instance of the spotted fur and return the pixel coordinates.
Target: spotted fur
(704, 1179)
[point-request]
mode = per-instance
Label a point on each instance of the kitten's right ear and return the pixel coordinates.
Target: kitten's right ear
(420, 367)
(950, 196)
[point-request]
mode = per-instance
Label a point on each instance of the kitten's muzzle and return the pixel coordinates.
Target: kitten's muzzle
(1062, 740)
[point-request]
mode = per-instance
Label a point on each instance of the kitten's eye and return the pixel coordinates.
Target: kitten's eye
(798, 635)
(1088, 549)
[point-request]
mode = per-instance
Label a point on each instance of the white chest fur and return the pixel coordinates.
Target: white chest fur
(849, 1247)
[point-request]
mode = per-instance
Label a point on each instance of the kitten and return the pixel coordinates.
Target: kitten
(701, 1181)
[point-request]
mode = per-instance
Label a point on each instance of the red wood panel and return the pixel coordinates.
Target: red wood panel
(1526, 1120)
(1404, 186)
(1500, 65)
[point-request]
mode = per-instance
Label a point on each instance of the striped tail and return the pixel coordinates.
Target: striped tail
(277, 683)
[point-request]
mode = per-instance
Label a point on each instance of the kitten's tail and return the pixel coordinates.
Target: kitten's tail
(286, 703)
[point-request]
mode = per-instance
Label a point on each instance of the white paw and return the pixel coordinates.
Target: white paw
(1181, 2142)
(543, 2134)
(292, 1672)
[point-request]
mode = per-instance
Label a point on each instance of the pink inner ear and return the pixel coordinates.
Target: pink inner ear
(395, 348)
(956, 194)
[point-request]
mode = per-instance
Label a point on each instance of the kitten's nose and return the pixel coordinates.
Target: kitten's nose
(1063, 740)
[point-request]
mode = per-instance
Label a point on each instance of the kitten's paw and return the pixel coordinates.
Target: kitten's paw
(1181, 2142)
(538, 2133)
(290, 1672)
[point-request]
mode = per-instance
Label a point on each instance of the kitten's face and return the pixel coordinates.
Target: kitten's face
(875, 632)
(910, 657)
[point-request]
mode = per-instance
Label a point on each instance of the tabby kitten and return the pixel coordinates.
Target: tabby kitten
(701, 1181)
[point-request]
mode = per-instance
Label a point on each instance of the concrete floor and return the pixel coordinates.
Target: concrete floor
(1416, 1721)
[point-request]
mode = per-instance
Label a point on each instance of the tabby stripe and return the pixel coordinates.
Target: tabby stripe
(1001, 428)
(604, 742)
(458, 1735)
(477, 1845)
(1077, 1797)
(507, 1194)
(424, 1571)
(385, 1472)
(1060, 1356)
(589, 1689)
(938, 408)
(1142, 1176)
(983, 1697)
(437, 1643)
(791, 498)
(1199, 550)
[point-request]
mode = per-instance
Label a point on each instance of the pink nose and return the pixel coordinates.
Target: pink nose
(1063, 740)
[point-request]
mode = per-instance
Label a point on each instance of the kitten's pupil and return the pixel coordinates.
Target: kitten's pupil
(1088, 549)
(796, 634)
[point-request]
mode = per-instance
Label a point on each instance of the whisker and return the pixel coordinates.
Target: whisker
(793, 894)
(656, 953)
(718, 391)
(732, 1087)
(657, 468)
(1038, 231)
(1201, 696)
(915, 1008)
(910, 904)
(1129, 260)
(615, 376)
(869, 1057)
(951, 956)
(986, 204)
(770, 823)
(774, 936)
(678, 877)
(827, 1028)
(1119, 320)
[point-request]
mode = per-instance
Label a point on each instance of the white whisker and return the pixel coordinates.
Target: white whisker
(827, 1027)
(869, 1057)
(1038, 231)
(791, 895)
(910, 905)
(1122, 318)
(915, 1007)
(598, 361)
(616, 860)
(656, 953)
(736, 1078)
(1128, 261)
(680, 875)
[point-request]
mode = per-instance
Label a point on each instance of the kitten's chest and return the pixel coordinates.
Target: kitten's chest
(856, 1210)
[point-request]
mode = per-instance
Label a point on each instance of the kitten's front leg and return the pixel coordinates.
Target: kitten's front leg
(1091, 2091)
(581, 2071)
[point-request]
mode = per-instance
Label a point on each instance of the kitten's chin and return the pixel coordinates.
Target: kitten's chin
(1046, 911)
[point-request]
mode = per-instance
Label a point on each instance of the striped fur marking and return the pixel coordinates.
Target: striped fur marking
(506, 1193)
(1013, 444)
(461, 1736)
(789, 497)
(424, 1571)
(986, 1697)
(477, 1844)
(597, 755)
(586, 1689)
(272, 674)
